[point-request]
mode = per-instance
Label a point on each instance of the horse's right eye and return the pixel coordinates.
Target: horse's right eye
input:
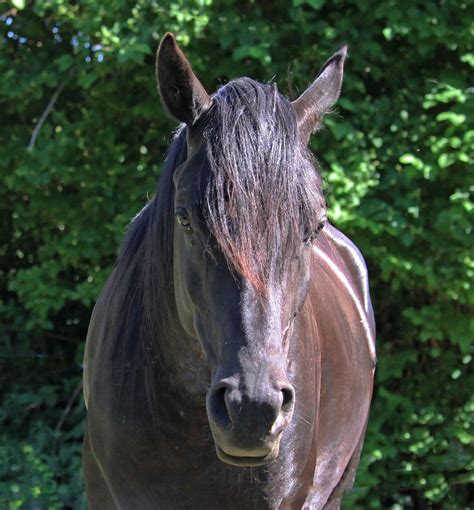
(183, 220)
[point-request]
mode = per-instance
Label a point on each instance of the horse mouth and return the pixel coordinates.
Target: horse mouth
(242, 461)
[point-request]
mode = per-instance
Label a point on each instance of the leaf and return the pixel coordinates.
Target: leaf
(19, 4)
(65, 62)
(455, 118)
(141, 48)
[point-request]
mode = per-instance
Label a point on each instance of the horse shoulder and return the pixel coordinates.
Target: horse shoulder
(348, 265)
(340, 305)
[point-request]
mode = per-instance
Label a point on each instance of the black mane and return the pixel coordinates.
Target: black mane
(140, 290)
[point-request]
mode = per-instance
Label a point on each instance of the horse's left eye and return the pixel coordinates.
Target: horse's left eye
(183, 220)
(311, 237)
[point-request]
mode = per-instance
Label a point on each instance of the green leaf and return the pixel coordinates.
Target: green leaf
(455, 118)
(19, 4)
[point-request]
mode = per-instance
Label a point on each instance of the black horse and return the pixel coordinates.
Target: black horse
(230, 357)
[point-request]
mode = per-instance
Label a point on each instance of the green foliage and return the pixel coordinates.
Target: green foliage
(396, 159)
(41, 451)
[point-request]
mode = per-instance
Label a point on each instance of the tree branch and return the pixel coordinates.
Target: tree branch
(62, 338)
(11, 12)
(45, 114)
(68, 407)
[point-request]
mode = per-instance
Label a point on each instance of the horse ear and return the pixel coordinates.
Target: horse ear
(181, 92)
(316, 100)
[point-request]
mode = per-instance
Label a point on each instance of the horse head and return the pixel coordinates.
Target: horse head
(248, 204)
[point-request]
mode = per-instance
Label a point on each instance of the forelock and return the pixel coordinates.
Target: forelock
(263, 191)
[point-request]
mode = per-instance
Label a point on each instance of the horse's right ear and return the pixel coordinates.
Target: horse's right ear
(181, 92)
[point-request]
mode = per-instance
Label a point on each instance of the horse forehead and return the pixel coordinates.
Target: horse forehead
(263, 315)
(190, 179)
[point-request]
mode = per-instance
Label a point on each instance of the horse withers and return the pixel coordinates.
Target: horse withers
(230, 356)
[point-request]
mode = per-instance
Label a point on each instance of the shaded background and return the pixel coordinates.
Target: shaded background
(82, 142)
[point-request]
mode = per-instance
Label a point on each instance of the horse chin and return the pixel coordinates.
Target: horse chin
(248, 461)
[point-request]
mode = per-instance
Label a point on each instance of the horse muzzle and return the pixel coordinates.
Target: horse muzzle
(247, 425)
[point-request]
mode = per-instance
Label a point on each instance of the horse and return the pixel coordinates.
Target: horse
(230, 356)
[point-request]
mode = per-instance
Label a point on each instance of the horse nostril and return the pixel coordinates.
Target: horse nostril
(288, 399)
(218, 406)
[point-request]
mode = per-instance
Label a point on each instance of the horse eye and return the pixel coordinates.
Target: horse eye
(183, 220)
(311, 237)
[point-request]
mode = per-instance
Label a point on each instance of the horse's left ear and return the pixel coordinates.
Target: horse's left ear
(316, 100)
(181, 92)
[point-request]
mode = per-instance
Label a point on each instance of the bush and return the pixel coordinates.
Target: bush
(395, 158)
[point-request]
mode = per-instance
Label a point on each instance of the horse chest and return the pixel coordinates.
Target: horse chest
(173, 465)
